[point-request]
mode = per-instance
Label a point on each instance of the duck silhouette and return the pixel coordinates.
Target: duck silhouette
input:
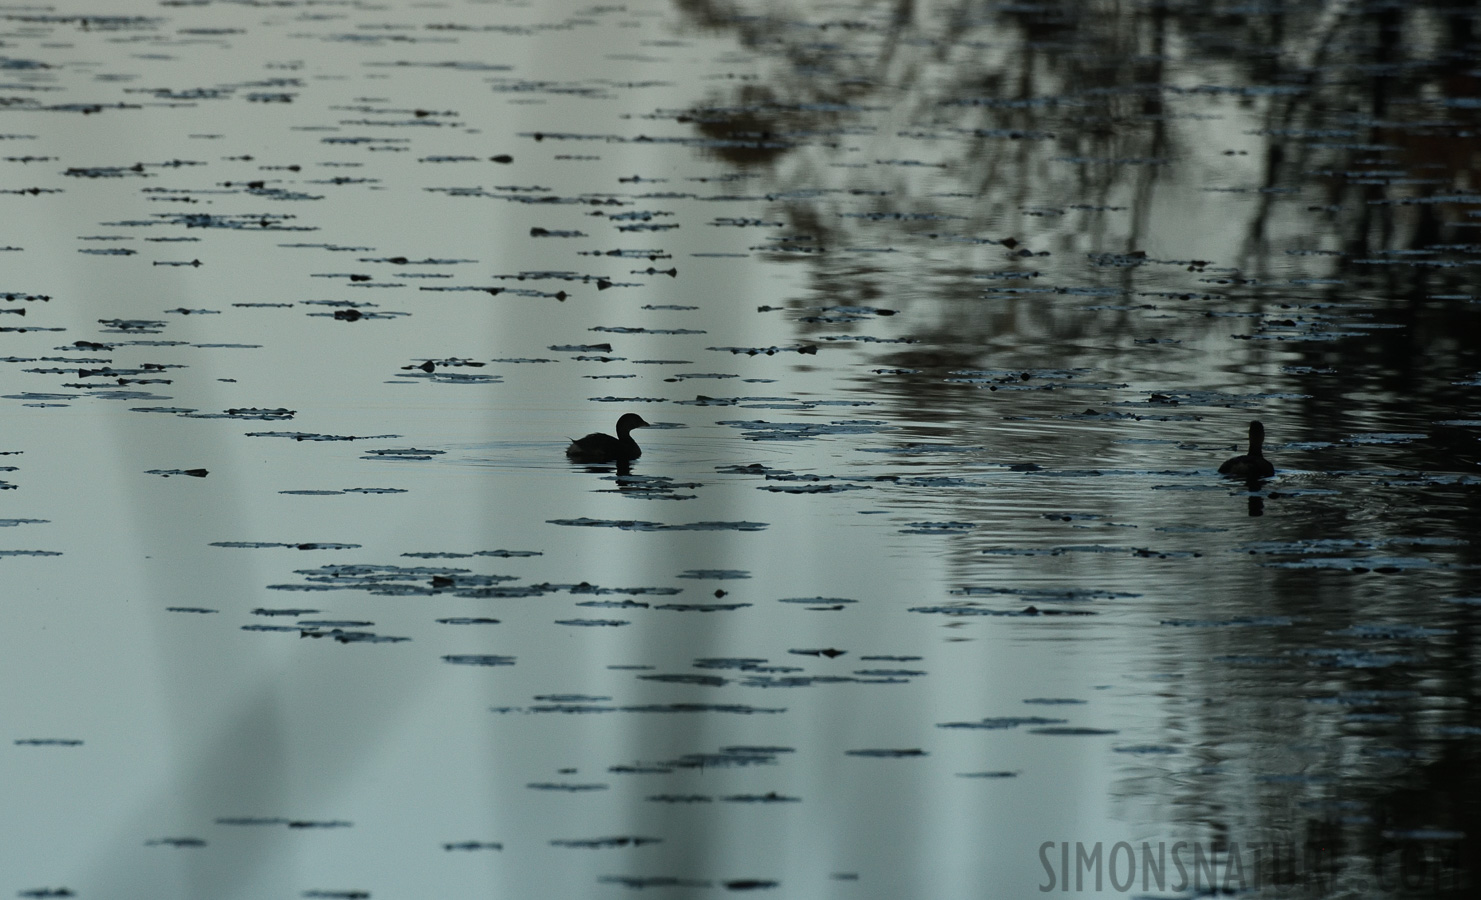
(1253, 464)
(598, 447)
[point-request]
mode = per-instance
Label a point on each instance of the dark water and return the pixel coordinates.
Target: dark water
(926, 583)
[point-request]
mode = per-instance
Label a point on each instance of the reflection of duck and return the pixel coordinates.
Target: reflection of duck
(604, 447)
(1252, 464)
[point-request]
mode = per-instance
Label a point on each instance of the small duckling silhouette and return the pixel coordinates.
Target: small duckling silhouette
(1253, 464)
(598, 447)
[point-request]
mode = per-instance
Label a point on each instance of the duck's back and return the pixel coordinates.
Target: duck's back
(599, 447)
(1247, 466)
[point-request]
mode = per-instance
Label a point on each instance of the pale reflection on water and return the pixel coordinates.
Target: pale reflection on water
(945, 316)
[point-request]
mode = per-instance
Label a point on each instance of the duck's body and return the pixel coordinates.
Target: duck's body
(598, 447)
(1252, 464)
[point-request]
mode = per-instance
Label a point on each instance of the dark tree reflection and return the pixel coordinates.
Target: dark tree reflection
(1277, 200)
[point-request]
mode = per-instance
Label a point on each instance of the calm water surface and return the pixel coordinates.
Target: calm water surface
(945, 316)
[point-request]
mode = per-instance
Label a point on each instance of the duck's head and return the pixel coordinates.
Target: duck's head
(628, 422)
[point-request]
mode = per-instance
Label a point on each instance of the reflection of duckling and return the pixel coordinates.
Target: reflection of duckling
(1252, 464)
(606, 448)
